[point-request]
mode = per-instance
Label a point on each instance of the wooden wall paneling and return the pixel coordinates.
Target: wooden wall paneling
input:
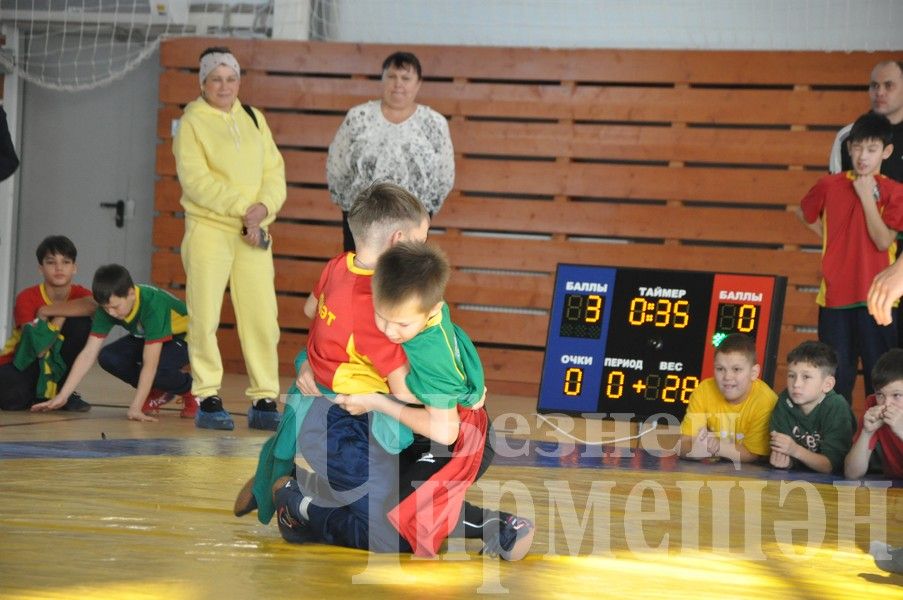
(677, 159)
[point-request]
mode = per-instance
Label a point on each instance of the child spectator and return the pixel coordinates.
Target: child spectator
(859, 213)
(729, 413)
(811, 423)
(52, 321)
(152, 358)
(878, 444)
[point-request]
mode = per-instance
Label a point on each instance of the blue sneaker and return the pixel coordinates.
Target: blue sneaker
(263, 415)
(212, 415)
(287, 497)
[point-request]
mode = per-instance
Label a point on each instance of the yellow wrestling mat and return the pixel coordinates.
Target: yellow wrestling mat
(145, 511)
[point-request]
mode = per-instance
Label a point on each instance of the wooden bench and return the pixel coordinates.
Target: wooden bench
(672, 159)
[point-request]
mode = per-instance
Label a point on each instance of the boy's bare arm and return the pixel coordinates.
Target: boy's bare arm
(150, 360)
(736, 452)
(439, 424)
(310, 306)
(779, 460)
(784, 444)
(881, 235)
(398, 387)
(856, 463)
(80, 307)
(79, 369)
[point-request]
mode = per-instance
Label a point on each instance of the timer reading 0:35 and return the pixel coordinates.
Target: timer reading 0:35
(660, 313)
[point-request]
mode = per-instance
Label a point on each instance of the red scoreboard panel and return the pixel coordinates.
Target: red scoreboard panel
(640, 340)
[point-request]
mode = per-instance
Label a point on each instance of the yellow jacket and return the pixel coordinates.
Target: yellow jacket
(226, 164)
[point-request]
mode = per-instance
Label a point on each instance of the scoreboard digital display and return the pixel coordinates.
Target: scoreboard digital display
(639, 341)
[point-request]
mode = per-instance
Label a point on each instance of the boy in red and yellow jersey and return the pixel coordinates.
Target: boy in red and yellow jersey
(51, 318)
(858, 213)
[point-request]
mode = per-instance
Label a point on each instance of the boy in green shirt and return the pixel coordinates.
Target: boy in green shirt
(811, 423)
(151, 358)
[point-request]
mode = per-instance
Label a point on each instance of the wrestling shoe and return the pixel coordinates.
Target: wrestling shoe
(212, 415)
(76, 404)
(264, 415)
(189, 405)
(894, 564)
(293, 526)
(245, 501)
(513, 540)
(155, 399)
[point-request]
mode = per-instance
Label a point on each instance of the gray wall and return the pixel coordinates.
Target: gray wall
(80, 149)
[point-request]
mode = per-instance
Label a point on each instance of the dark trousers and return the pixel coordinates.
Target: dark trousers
(368, 482)
(17, 388)
(123, 359)
(853, 334)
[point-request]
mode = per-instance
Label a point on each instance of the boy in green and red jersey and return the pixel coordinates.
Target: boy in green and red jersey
(152, 358)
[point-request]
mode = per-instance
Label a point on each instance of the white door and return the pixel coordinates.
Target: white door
(82, 149)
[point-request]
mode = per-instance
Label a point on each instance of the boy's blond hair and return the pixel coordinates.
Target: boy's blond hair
(382, 209)
(411, 270)
(739, 343)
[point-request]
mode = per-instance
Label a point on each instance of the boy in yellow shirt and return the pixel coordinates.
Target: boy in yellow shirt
(729, 414)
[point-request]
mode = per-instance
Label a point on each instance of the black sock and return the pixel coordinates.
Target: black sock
(265, 404)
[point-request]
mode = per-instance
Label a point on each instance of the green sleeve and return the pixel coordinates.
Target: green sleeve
(782, 419)
(836, 430)
(102, 323)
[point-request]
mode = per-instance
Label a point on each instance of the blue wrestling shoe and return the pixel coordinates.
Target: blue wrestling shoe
(263, 415)
(212, 415)
(293, 526)
(513, 540)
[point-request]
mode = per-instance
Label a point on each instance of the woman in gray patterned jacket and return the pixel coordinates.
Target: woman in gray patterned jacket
(392, 139)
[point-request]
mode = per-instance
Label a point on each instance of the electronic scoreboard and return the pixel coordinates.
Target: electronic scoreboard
(640, 340)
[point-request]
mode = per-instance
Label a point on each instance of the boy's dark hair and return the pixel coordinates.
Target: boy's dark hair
(214, 49)
(111, 280)
(56, 244)
(402, 60)
(817, 354)
(381, 209)
(411, 270)
(738, 342)
(888, 369)
(871, 126)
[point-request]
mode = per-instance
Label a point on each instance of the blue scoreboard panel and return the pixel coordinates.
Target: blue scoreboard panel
(640, 340)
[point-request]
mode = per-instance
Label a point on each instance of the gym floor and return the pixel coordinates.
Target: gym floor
(95, 506)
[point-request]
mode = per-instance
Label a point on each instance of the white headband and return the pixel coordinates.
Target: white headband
(215, 59)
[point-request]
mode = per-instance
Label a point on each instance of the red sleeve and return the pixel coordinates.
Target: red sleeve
(78, 291)
(814, 201)
(324, 277)
(27, 304)
(892, 213)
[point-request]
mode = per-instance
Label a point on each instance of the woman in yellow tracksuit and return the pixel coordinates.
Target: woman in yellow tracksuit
(233, 184)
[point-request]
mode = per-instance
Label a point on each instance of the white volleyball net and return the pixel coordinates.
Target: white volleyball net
(78, 44)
